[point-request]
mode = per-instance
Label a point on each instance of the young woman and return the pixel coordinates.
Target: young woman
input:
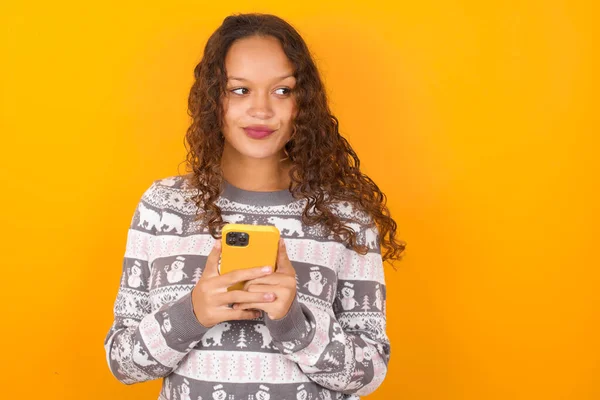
(264, 149)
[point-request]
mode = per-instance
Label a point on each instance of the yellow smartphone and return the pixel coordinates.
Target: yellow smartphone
(248, 246)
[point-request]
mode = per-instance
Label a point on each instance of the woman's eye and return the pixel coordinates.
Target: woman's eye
(288, 90)
(235, 90)
(239, 91)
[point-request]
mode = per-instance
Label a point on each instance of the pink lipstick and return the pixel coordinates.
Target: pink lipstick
(258, 131)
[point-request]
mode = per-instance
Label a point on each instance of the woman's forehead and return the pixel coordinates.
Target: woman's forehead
(256, 60)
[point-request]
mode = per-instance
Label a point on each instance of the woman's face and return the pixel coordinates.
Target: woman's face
(259, 83)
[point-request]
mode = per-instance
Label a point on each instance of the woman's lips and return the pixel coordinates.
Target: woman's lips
(258, 133)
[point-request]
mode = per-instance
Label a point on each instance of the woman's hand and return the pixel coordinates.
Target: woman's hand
(282, 283)
(211, 299)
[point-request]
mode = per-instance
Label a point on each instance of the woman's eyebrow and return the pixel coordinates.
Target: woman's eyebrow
(244, 79)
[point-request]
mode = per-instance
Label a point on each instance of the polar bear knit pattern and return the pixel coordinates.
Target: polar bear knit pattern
(332, 344)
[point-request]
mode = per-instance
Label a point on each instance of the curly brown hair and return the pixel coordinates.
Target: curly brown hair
(325, 169)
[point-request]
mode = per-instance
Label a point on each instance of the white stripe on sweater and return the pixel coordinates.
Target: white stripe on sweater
(349, 265)
(239, 367)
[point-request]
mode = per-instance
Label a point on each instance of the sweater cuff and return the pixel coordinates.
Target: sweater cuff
(185, 327)
(294, 325)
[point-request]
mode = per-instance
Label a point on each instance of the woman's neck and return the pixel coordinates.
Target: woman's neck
(258, 175)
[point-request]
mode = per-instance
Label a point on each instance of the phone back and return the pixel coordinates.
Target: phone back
(248, 246)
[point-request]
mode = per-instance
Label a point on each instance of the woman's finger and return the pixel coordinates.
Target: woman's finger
(284, 265)
(242, 314)
(241, 296)
(262, 289)
(273, 279)
(241, 275)
(211, 268)
(266, 307)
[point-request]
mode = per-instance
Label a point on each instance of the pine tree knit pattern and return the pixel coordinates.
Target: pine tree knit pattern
(332, 344)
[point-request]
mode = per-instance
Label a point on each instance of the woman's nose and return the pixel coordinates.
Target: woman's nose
(260, 106)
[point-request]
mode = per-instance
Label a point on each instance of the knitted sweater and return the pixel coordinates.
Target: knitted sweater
(332, 344)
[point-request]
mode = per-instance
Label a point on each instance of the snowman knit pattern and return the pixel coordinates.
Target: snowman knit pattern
(332, 344)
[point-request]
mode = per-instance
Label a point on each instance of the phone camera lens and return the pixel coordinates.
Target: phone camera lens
(237, 239)
(231, 238)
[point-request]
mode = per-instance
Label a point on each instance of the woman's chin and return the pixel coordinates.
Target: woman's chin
(258, 150)
(259, 154)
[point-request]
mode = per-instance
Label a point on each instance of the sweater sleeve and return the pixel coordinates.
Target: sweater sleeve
(347, 350)
(142, 345)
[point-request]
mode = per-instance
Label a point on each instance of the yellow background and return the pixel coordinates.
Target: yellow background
(478, 119)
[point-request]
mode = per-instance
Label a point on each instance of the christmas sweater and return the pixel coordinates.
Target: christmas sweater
(332, 344)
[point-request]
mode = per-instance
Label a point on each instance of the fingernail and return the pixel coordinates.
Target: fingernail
(217, 244)
(266, 269)
(268, 296)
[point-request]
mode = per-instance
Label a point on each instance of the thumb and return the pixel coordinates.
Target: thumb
(283, 262)
(211, 269)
